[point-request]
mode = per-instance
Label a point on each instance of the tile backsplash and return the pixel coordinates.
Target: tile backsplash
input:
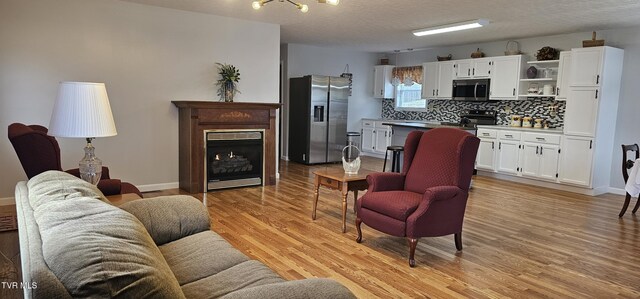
(448, 110)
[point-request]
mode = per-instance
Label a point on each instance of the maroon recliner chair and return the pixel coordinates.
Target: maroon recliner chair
(428, 198)
(39, 152)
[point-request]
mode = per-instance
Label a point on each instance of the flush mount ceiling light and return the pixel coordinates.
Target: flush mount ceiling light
(451, 27)
(302, 7)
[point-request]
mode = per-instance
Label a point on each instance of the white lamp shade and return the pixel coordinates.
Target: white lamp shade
(82, 110)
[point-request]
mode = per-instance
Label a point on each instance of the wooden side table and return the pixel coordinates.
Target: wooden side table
(336, 179)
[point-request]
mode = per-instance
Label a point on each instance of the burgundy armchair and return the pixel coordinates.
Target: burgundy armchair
(39, 152)
(428, 198)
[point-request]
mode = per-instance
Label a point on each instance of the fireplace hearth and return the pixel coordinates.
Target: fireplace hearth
(234, 159)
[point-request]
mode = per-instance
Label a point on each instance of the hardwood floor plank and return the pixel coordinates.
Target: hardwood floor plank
(519, 241)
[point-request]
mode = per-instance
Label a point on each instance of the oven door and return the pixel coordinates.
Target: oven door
(471, 90)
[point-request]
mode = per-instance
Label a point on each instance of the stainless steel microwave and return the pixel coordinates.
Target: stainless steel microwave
(471, 90)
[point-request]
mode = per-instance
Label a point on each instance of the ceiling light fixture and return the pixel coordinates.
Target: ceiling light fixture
(451, 27)
(302, 7)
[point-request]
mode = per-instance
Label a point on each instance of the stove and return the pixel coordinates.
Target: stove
(473, 117)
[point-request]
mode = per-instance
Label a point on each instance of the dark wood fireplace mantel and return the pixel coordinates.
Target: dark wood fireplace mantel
(197, 116)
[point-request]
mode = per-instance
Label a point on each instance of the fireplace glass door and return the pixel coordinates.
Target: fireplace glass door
(234, 159)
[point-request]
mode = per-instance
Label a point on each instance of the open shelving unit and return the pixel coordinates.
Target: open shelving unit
(552, 79)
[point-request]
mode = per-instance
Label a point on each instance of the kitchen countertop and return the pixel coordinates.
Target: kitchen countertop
(496, 127)
(421, 124)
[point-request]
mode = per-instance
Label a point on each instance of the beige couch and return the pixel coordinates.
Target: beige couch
(74, 243)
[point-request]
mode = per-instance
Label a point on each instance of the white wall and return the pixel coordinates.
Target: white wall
(627, 126)
(302, 60)
(147, 56)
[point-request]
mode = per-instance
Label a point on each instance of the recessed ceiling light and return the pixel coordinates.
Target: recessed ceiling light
(451, 27)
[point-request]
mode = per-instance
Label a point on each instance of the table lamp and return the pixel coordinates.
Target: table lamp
(82, 110)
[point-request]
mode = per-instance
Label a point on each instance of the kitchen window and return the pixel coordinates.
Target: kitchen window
(408, 91)
(408, 97)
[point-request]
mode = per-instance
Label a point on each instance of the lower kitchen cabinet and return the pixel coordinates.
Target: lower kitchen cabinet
(540, 161)
(508, 156)
(486, 156)
(576, 161)
(375, 137)
(367, 142)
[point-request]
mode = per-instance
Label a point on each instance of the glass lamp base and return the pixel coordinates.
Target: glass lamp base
(90, 165)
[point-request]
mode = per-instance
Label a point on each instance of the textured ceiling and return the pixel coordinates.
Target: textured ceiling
(386, 25)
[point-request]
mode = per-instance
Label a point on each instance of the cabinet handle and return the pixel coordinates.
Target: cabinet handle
(541, 151)
(514, 91)
(381, 92)
(537, 149)
(437, 92)
(540, 138)
(474, 71)
(499, 145)
(468, 72)
(596, 93)
(433, 92)
(493, 145)
(598, 79)
(557, 91)
(385, 133)
(508, 135)
(590, 144)
(485, 134)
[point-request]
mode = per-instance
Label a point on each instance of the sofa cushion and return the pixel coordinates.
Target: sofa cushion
(98, 250)
(244, 275)
(200, 255)
(56, 185)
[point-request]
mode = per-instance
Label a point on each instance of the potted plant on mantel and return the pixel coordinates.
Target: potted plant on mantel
(229, 77)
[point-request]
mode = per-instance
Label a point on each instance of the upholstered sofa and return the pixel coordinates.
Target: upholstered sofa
(74, 243)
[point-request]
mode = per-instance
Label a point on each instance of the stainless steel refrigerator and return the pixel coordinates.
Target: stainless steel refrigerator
(317, 118)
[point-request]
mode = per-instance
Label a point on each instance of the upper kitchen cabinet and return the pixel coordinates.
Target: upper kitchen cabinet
(437, 80)
(587, 65)
(430, 78)
(505, 76)
(564, 71)
(472, 68)
(382, 87)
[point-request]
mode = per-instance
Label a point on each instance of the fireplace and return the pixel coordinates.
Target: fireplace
(197, 118)
(234, 158)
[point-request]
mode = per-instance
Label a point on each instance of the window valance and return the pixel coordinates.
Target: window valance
(415, 72)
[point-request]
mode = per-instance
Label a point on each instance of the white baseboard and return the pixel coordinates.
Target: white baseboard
(7, 201)
(158, 187)
(551, 185)
(619, 191)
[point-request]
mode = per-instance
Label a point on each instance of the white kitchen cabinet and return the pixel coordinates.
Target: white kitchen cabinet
(382, 87)
(375, 136)
(445, 80)
(472, 68)
(549, 157)
(481, 68)
(383, 138)
(540, 161)
(581, 111)
(430, 78)
(367, 142)
(508, 156)
(486, 156)
(564, 73)
(586, 66)
(576, 161)
(505, 76)
(437, 80)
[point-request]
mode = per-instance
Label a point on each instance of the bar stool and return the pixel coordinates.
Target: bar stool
(395, 157)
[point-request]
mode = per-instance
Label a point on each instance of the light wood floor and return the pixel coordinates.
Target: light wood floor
(519, 241)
